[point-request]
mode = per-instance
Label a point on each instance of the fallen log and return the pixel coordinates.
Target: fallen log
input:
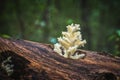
(38, 61)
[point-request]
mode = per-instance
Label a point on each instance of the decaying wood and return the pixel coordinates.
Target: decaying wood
(37, 61)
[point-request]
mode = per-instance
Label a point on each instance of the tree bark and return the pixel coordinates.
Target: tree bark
(38, 61)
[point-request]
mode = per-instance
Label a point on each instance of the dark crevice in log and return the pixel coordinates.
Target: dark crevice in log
(21, 69)
(20, 65)
(105, 76)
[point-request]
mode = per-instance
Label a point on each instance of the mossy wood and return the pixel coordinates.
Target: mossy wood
(38, 61)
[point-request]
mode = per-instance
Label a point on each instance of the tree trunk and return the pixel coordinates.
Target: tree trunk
(85, 16)
(20, 18)
(3, 21)
(45, 18)
(38, 61)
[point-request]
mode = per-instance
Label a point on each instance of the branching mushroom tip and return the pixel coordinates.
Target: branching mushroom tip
(70, 42)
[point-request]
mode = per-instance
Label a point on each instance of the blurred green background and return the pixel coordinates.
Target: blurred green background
(44, 20)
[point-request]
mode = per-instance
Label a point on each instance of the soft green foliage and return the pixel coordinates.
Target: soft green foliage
(43, 20)
(115, 39)
(5, 36)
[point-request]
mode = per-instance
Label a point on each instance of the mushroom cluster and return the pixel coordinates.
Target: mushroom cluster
(70, 42)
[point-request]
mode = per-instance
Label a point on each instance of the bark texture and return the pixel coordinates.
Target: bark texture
(38, 61)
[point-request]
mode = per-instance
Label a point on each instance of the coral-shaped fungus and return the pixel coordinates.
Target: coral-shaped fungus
(70, 42)
(7, 66)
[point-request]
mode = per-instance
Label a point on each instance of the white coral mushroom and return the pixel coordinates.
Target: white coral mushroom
(69, 42)
(7, 67)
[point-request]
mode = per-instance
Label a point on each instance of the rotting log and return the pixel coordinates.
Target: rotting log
(38, 61)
